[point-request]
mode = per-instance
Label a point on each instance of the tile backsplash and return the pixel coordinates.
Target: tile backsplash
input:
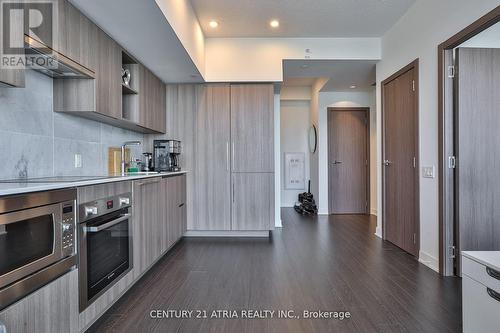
(37, 142)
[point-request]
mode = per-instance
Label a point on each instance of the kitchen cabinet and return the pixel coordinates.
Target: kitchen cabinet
(159, 218)
(105, 99)
(52, 308)
(9, 77)
(481, 291)
(74, 35)
(152, 101)
(108, 77)
(234, 158)
(252, 201)
(252, 127)
(148, 215)
(175, 209)
(212, 175)
(98, 98)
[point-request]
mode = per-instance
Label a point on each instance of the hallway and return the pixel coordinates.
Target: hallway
(333, 263)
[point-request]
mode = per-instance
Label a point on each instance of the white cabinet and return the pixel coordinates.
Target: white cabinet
(480, 292)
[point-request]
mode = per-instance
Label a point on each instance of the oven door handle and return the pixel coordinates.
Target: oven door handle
(109, 224)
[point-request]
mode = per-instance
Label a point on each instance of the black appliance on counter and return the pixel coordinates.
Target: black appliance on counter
(105, 245)
(37, 241)
(166, 155)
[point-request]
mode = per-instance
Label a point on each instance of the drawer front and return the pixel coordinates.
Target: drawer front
(479, 272)
(480, 310)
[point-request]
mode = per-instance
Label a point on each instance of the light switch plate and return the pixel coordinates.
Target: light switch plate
(428, 172)
(78, 160)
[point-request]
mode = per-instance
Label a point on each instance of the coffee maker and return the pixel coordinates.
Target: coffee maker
(166, 155)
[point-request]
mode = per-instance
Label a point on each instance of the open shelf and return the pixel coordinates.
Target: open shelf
(126, 90)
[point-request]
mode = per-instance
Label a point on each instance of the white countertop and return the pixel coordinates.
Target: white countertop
(18, 188)
(487, 258)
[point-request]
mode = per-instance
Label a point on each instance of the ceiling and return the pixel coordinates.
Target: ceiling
(129, 22)
(299, 81)
(299, 18)
(342, 74)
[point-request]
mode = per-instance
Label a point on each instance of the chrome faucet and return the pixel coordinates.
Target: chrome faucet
(128, 143)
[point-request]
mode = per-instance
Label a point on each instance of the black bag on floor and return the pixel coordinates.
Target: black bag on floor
(306, 204)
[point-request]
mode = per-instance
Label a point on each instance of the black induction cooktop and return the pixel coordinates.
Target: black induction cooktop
(56, 179)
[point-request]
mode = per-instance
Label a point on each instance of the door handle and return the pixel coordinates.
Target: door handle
(227, 155)
(387, 162)
(337, 162)
(109, 224)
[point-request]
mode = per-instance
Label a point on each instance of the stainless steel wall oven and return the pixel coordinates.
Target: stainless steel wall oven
(105, 246)
(37, 241)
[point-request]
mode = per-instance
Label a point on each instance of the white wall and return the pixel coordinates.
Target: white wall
(182, 18)
(294, 139)
(417, 35)
(345, 99)
(314, 117)
(261, 59)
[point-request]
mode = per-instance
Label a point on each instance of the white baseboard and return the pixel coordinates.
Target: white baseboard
(373, 211)
(378, 232)
(223, 233)
(429, 261)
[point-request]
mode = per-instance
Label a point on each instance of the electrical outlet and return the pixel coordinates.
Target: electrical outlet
(78, 160)
(428, 172)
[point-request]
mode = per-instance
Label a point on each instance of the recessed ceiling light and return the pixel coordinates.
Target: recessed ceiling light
(274, 23)
(213, 24)
(353, 86)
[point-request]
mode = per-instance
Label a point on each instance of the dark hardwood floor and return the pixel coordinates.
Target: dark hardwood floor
(331, 263)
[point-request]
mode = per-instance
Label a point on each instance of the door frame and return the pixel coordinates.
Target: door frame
(368, 122)
(415, 66)
(446, 135)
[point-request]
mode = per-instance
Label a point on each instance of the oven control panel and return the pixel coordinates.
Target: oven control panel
(103, 206)
(68, 224)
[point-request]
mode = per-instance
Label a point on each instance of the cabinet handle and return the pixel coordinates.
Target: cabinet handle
(493, 273)
(181, 205)
(233, 191)
(232, 157)
(227, 155)
(493, 294)
(146, 183)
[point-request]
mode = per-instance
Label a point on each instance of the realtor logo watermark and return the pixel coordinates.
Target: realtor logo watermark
(32, 19)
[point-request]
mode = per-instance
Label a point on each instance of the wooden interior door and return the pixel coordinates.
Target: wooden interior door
(348, 161)
(212, 176)
(400, 170)
(477, 149)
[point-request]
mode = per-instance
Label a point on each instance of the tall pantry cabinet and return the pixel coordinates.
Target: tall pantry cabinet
(234, 153)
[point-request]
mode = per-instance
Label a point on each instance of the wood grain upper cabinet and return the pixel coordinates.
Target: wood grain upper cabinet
(99, 98)
(253, 201)
(252, 115)
(74, 35)
(9, 77)
(152, 101)
(108, 77)
(212, 175)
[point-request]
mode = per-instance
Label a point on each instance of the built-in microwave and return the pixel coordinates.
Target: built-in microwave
(37, 241)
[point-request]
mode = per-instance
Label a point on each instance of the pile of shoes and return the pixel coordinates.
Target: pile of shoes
(306, 204)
